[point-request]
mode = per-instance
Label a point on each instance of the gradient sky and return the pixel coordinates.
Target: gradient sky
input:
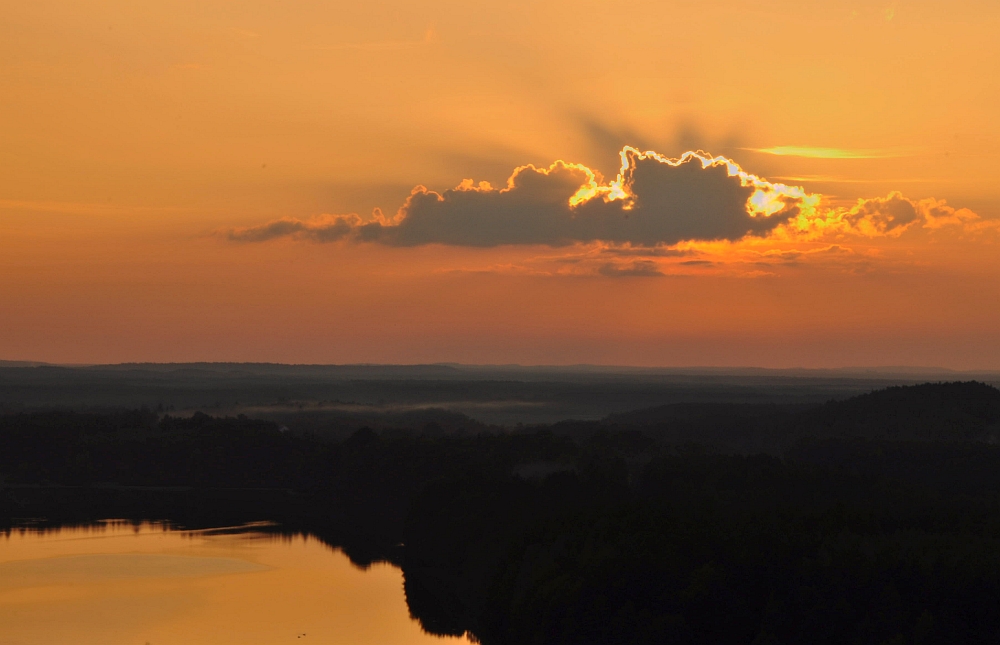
(198, 180)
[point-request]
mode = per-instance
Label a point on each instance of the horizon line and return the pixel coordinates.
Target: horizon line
(890, 369)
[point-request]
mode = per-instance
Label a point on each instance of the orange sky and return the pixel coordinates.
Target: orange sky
(146, 148)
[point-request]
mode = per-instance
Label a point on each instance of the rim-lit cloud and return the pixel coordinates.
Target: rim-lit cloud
(653, 203)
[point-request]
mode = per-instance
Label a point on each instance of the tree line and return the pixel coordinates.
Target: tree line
(871, 520)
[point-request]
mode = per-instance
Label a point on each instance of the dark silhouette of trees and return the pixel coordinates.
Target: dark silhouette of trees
(872, 520)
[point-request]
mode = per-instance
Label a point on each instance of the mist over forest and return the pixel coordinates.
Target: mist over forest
(324, 397)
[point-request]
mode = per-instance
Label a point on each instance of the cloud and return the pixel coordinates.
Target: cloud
(938, 214)
(646, 252)
(654, 203)
(889, 216)
(319, 229)
(881, 216)
(794, 256)
(637, 269)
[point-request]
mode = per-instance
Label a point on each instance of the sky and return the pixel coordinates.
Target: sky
(727, 183)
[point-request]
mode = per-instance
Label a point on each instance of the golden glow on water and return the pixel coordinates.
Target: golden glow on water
(118, 584)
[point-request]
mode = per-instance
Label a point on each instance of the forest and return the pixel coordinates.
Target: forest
(872, 519)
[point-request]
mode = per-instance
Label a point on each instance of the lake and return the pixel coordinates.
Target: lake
(149, 584)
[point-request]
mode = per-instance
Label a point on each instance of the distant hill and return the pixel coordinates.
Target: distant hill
(967, 411)
(280, 369)
(21, 364)
(960, 411)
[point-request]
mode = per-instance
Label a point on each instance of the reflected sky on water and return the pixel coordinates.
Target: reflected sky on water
(119, 583)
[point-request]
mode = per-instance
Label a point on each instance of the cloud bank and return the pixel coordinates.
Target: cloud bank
(655, 201)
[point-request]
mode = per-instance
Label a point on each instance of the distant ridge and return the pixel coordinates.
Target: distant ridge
(955, 411)
(457, 369)
(734, 370)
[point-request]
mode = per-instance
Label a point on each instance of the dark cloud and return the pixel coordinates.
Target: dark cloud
(658, 252)
(655, 201)
(533, 209)
(672, 203)
(884, 215)
(269, 231)
(637, 269)
(327, 229)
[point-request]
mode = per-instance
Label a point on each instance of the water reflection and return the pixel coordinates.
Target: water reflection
(119, 582)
